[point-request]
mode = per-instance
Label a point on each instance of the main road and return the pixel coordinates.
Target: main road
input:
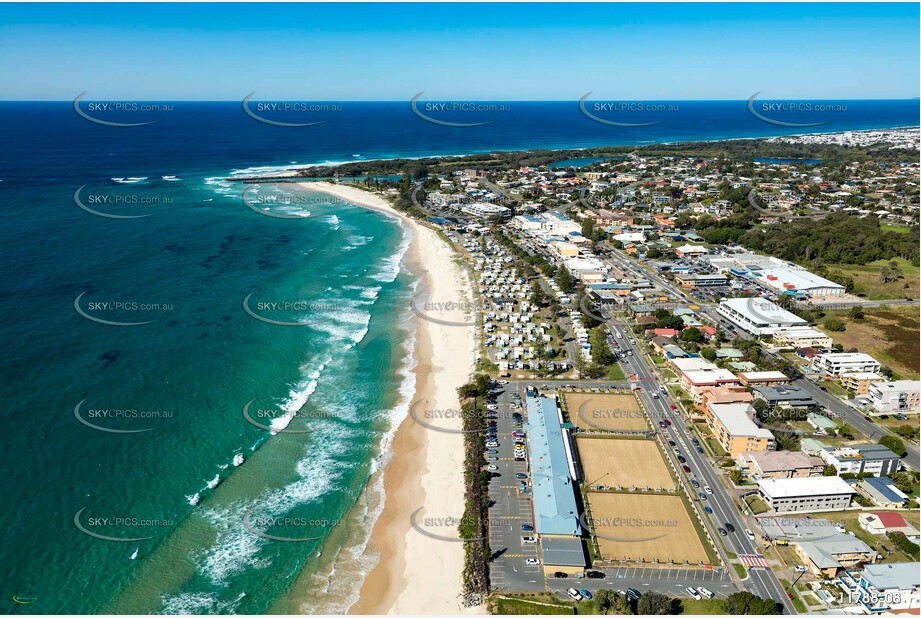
(761, 582)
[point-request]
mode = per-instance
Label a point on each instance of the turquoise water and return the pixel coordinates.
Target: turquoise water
(188, 374)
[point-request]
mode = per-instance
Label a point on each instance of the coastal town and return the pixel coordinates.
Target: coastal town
(671, 411)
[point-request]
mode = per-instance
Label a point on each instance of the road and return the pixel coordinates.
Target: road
(761, 582)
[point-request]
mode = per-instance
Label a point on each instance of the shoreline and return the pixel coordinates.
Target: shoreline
(293, 168)
(425, 470)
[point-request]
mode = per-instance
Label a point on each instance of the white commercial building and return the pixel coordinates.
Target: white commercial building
(895, 397)
(484, 210)
(758, 316)
(814, 493)
(801, 337)
(837, 363)
(788, 279)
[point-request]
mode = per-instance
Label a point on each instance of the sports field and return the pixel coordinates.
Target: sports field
(624, 463)
(644, 527)
(609, 411)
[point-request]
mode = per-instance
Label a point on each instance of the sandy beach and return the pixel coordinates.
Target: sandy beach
(417, 574)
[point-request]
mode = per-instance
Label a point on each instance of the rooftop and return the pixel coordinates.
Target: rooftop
(805, 486)
(901, 575)
(734, 417)
(555, 509)
(762, 312)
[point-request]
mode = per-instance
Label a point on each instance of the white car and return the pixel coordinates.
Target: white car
(528, 540)
(708, 490)
(492, 444)
(704, 592)
(693, 593)
(750, 534)
(800, 569)
(574, 594)
(492, 467)
(532, 561)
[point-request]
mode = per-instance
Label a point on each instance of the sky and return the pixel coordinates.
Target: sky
(337, 52)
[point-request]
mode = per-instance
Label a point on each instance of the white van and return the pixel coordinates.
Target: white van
(692, 593)
(704, 592)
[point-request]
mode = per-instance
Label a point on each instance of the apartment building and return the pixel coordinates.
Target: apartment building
(818, 493)
(734, 429)
(901, 396)
(838, 363)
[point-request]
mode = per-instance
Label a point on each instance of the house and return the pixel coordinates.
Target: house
(901, 396)
(882, 492)
(821, 493)
(779, 464)
(889, 587)
(873, 459)
(883, 522)
(838, 363)
(734, 429)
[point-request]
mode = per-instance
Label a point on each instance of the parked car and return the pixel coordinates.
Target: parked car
(686, 469)
(730, 527)
(704, 592)
(574, 594)
(595, 574)
(667, 422)
(693, 593)
(707, 509)
(532, 562)
(750, 534)
(695, 484)
(633, 592)
(527, 528)
(492, 467)
(708, 490)
(682, 459)
(492, 458)
(800, 568)
(672, 443)
(560, 575)
(722, 531)
(521, 475)
(586, 594)
(528, 540)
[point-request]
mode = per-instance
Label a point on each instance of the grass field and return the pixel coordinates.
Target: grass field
(704, 607)
(889, 334)
(544, 605)
(623, 463)
(866, 279)
(610, 411)
(636, 527)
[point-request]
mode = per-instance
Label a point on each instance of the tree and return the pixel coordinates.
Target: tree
(746, 604)
(893, 444)
(565, 280)
(857, 313)
(735, 476)
(835, 325)
(829, 471)
(708, 353)
(657, 604)
(692, 334)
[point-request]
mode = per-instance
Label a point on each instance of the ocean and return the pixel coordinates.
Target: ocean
(197, 393)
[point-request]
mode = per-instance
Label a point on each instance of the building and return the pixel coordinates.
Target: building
(882, 492)
(758, 316)
(859, 382)
(779, 464)
(553, 487)
(838, 363)
(722, 394)
(820, 493)
(691, 251)
(883, 522)
(484, 210)
(889, 587)
(785, 397)
(896, 397)
(873, 459)
(694, 282)
(763, 378)
(801, 337)
(830, 556)
(792, 280)
(821, 423)
(734, 429)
